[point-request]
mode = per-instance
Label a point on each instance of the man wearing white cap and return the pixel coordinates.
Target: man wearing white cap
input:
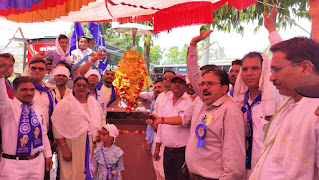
(94, 77)
(61, 75)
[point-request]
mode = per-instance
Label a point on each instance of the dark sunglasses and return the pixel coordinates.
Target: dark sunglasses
(33, 68)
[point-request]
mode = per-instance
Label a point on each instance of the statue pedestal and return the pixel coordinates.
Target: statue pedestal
(138, 162)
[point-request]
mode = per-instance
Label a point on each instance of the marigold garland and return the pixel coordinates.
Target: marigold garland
(131, 77)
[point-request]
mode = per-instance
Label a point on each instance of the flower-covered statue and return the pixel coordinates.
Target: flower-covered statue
(131, 77)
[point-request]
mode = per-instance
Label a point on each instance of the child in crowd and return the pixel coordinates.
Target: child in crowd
(78, 54)
(107, 160)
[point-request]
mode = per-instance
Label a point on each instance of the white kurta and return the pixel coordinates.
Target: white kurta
(10, 111)
(293, 153)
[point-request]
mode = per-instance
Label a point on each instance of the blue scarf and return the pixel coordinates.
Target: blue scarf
(27, 125)
(249, 136)
(108, 167)
(112, 96)
(52, 100)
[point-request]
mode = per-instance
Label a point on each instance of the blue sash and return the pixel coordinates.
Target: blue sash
(26, 137)
(231, 93)
(108, 167)
(249, 136)
(51, 101)
(112, 96)
(87, 171)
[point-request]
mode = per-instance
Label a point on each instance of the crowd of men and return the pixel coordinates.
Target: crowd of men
(28, 103)
(258, 121)
(253, 123)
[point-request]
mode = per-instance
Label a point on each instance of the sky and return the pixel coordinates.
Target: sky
(235, 45)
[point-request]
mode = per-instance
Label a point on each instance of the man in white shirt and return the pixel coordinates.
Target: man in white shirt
(232, 75)
(44, 96)
(19, 118)
(61, 75)
(94, 77)
(108, 89)
(174, 138)
(216, 145)
(290, 149)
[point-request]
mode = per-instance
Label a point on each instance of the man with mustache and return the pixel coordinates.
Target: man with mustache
(94, 77)
(291, 136)
(232, 75)
(255, 94)
(149, 135)
(216, 145)
(108, 89)
(44, 96)
(159, 103)
(61, 75)
(61, 51)
(173, 138)
(20, 117)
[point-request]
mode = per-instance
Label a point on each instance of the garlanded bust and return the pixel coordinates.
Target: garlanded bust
(131, 77)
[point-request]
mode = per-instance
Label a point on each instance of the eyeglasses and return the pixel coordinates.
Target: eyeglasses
(208, 83)
(81, 85)
(33, 68)
(275, 70)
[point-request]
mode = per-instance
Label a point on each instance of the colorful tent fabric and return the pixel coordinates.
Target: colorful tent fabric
(183, 12)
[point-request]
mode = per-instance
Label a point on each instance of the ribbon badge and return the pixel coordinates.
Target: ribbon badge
(180, 112)
(200, 132)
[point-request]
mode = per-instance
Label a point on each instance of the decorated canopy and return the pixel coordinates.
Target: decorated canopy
(166, 14)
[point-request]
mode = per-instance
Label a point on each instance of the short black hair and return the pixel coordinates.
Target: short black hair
(37, 60)
(84, 38)
(89, 38)
(166, 71)
(22, 79)
(299, 49)
(207, 66)
(253, 54)
(223, 76)
(8, 56)
(65, 64)
(237, 62)
(79, 78)
(62, 36)
(158, 80)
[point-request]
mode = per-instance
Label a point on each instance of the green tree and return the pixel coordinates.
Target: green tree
(176, 55)
(217, 53)
(231, 19)
(156, 54)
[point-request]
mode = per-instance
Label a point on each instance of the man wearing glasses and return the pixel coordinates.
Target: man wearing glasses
(44, 96)
(291, 140)
(160, 100)
(216, 145)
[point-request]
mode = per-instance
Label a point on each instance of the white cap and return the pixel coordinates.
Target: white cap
(93, 71)
(111, 128)
(60, 70)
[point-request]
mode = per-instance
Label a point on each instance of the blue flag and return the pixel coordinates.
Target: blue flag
(77, 32)
(96, 31)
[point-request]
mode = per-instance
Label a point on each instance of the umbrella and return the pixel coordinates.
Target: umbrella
(133, 29)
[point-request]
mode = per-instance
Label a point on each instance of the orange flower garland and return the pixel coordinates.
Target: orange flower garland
(131, 77)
